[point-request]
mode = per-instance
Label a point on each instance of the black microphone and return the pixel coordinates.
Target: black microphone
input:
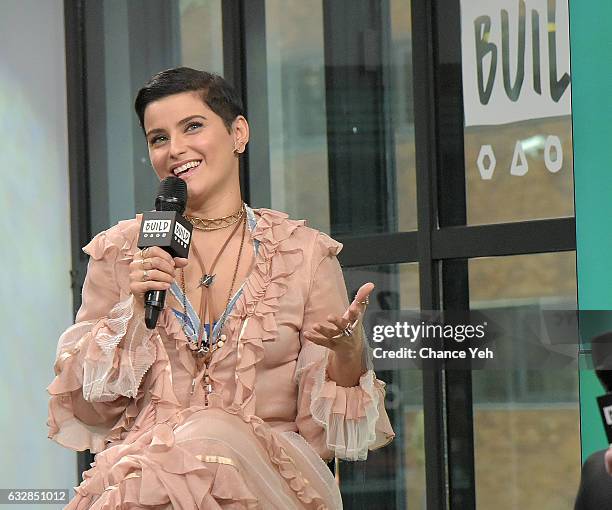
(604, 402)
(167, 228)
(601, 355)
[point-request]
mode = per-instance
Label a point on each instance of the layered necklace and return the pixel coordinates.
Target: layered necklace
(204, 348)
(209, 224)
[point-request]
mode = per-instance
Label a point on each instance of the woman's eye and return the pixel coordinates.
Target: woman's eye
(193, 125)
(156, 140)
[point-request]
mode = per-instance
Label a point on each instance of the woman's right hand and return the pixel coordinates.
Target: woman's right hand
(153, 269)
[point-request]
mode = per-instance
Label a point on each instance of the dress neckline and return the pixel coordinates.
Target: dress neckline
(191, 321)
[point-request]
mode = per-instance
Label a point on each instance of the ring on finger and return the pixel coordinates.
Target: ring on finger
(348, 330)
(365, 302)
(145, 275)
(354, 324)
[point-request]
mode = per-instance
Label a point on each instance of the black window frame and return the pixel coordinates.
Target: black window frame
(441, 245)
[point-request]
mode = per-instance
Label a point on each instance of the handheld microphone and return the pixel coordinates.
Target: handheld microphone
(601, 355)
(604, 402)
(167, 228)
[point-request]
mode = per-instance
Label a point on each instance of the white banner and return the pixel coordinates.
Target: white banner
(515, 60)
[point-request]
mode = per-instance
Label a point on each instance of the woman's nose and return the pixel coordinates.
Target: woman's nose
(177, 146)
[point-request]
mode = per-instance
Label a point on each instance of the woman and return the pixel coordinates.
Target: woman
(234, 415)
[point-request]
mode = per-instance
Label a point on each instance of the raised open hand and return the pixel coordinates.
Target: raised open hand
(341, 334)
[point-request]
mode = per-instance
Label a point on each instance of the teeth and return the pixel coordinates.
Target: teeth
(185, 167)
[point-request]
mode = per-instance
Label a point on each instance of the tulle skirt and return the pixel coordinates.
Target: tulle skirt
(208, 459)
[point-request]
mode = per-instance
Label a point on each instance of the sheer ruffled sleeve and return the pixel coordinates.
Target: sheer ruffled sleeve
(102, 359)
(336, 421)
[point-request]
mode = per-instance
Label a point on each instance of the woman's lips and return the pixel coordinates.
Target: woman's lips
(187, 174)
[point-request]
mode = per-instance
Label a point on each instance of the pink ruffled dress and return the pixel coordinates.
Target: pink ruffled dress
(136, 396)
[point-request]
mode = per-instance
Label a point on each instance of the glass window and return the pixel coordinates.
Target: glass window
(526, 422)
(403, 112)
(341, 142)
(521, 167)
(312, 146)
(137, 39)
(538, 194)
(201, 35)
(297, 110)
(397, 470)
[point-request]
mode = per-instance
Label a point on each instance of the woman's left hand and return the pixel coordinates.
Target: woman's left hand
(332, 334)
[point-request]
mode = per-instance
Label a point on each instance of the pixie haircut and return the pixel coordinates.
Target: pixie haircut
(216, 93)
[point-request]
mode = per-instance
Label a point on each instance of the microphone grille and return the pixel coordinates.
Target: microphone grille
(172, 195)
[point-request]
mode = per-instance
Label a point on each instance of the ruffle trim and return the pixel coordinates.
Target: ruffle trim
(280, 254)
(120, 242)
(64, 427)
(163, 402)
(354, 419)
(317, 465)
(153, 471)
(170, 324)
(162, 407)
(69, 431)
(122, 238)
(285, 465)
(105, 357)
(331, 247)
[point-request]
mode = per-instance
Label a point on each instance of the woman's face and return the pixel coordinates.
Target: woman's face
(187, 139)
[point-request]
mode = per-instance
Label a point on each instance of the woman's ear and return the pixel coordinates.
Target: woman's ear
(240, 131)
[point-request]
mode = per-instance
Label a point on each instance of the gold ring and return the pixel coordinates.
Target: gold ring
(145, 275)
(365, 302)
(348, 330)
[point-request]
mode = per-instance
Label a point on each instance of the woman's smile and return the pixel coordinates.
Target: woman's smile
(186, 170)
(188, 140)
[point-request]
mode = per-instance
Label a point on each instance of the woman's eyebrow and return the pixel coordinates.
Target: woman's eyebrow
(191, 117)
(179, 123)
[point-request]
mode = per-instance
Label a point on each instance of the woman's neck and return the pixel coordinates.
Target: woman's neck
(216, 207)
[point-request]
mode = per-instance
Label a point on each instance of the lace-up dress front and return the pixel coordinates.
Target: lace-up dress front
(249, 429)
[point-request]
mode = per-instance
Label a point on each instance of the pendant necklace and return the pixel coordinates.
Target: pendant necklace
(200, 348)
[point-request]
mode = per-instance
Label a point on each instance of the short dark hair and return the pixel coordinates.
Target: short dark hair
(217, 93)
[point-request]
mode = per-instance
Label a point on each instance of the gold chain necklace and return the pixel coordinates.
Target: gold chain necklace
(208, 224)
(198, 347)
